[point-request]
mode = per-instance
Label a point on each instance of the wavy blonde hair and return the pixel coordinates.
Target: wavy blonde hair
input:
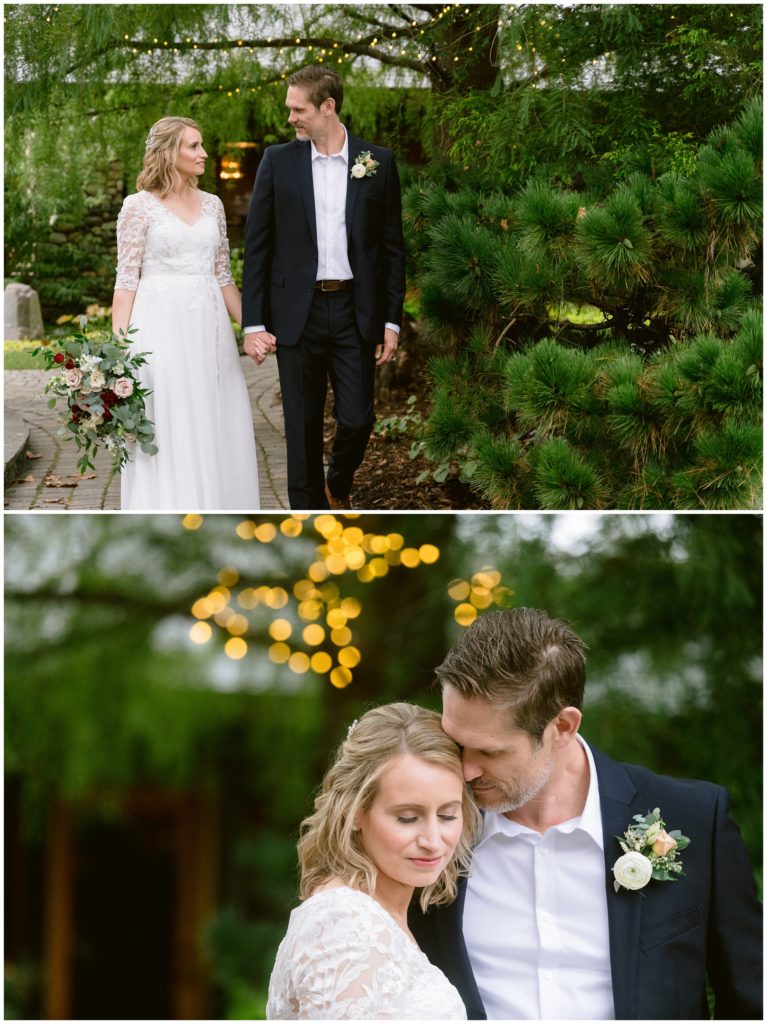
(329, 846)
(162, 145)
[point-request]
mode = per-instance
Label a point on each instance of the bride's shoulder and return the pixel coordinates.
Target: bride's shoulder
(209, 198)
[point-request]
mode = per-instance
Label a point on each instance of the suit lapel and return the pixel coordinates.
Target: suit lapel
(306, 185)
(353, 186)
(455, 957)
(624, 909)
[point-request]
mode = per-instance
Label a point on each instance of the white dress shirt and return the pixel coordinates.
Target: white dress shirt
(330, 173)
(535, 917)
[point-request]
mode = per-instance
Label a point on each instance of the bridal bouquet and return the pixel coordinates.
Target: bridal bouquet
(104, 401)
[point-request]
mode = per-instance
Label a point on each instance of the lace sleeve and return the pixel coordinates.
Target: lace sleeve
(131, 232)
(222, 267)
(341, 963)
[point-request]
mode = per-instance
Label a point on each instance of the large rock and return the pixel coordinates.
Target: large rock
(23, 318)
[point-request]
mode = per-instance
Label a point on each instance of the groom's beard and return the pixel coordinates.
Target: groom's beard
(502, 798)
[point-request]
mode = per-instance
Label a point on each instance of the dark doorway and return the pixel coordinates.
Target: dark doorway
(124, 910)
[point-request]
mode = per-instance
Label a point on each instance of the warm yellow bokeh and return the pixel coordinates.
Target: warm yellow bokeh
(228, 576)
(317, 572)
(237, 625)
(299, 663)
(291, 527)
(465, 614)
(459, 590)
(351, 607)
(192, 522)
(336, 618)
(309, 610)
(313, 635)
(481, 597)
(349, 657)
(247, 598)
(246, 529)
(340, 677)
(429, 553)
(321, 662)
(235, 648)
(341, 637)
(276, 597)
(280, 629)
(279, 653)
(265, 532)
(200, 633)
(201, 608)
(410, 558)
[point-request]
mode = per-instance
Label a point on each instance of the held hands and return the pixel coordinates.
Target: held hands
(258, 345)
(386, 352)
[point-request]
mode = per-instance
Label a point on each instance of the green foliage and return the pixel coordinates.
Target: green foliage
(656, 395)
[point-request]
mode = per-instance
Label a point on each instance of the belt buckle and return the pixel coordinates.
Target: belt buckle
(323, 288)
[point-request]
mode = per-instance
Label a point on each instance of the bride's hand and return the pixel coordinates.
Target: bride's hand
(258, 345)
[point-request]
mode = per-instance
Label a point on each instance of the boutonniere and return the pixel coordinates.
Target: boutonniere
(649, 851)
(364, 165)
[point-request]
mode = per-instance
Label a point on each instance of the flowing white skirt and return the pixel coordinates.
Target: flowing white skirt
(199, 403)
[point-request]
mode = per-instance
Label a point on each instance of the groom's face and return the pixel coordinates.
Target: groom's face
(505, 766)
(307, 119)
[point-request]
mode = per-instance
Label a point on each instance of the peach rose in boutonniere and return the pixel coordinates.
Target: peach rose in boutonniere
(364, 165)
(649, 852)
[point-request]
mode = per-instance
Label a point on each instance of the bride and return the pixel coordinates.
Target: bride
(175, 287)
(393, 815)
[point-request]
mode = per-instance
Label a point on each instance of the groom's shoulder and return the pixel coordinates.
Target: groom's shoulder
(647, 781)
(280, 149)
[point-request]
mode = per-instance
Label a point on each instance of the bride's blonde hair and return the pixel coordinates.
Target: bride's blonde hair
(159, 172)
(329, 846)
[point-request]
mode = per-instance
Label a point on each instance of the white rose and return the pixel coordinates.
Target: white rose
(98, 380)
(632, 871)
(123, 387)
(358, 171)
(72, 377)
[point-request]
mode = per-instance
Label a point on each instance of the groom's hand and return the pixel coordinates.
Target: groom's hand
(386, 352)
(258, 345)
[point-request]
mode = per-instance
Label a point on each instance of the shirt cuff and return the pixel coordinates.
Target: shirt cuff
(393, 327)
(253, 330)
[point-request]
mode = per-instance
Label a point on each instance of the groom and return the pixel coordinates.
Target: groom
(539, 930)
(324, 282)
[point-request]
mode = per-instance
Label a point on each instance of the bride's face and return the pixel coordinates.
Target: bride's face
(191, 156)
(414, 824)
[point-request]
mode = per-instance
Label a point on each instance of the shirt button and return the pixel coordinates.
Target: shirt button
(542, 850)
(547, 975)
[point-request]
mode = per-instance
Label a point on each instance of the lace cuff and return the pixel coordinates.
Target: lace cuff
(131, 232)
(222, 267)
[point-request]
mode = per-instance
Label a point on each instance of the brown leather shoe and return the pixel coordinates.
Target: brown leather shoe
(337, 503)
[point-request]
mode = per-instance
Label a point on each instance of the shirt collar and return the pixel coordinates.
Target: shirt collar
(343, 152)
(589, 820)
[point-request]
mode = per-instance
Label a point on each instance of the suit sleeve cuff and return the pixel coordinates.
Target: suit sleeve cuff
(393, 327)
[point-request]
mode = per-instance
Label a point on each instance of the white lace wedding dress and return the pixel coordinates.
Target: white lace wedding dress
(199, 402)
(345, 958)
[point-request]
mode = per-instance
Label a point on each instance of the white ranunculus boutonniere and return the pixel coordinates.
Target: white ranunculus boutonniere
(649, 851)
(364, 165)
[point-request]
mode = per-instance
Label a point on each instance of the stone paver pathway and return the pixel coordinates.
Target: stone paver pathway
(41, 468)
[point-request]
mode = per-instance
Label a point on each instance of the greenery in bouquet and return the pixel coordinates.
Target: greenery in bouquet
(105, 404)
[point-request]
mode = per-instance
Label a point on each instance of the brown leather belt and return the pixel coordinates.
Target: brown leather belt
(332, 286)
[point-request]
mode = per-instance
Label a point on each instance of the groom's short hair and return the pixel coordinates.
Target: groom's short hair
(521, 660)
(321, 83)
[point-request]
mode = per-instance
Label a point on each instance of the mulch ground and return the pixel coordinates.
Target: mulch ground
(387, 477)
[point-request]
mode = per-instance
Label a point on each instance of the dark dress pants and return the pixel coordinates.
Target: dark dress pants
(329, 347)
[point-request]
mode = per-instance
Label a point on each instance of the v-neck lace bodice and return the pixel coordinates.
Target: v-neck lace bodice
(151, 239)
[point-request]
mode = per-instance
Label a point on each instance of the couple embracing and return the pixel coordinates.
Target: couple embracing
(323, 288)
(491, 864)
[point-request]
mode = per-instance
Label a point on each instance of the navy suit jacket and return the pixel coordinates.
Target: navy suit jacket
(281, 243)
(665, 937)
